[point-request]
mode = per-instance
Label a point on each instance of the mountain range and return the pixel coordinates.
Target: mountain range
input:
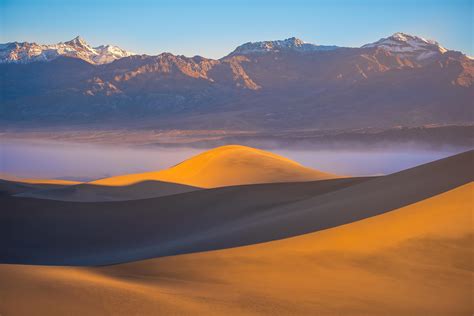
(401, 80)
(29, 52)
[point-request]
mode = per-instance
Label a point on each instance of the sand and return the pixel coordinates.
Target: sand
(69, 233)
(57, 232)
(10, 187)
(100, 193)
(59, 182)
(222, 166)
(399, 244)
(416, 260)
(226, 166)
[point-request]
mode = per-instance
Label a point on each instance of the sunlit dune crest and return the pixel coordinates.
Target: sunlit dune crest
(225, 166)
(50, 181)
(414, 260)
(39, 181)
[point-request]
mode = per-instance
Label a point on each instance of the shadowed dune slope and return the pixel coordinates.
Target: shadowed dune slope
(67, 233)
(98, 193)
(56, 232)
(416, 260)
(11, 187)
(226, 166)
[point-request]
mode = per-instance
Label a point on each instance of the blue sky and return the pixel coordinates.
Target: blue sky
(214, 28)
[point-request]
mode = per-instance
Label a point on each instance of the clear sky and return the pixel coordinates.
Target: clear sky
(214, 28)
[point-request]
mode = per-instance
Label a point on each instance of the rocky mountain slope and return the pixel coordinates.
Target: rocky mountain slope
(401, 80)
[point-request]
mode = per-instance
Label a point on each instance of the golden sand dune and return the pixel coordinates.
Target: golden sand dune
(225, 166)
(38, 181)
(69, 233)
(416, 260)
(49, 181)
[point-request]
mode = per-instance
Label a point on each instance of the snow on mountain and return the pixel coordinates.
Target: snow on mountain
(28, 52)
(108, 53)
(289, 44)
(404, 45)
(409, 46)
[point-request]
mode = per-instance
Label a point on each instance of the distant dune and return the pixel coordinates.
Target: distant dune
(222, 166)
(50, 181)
(86, 192)
(39, 181)
(11, 187)
(69, 233)
(416, 260)
(226, 166)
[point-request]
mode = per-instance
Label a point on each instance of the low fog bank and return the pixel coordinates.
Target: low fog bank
(83, 162)
(33, 158)
(427, 137)
(304, 144)
(451, 138)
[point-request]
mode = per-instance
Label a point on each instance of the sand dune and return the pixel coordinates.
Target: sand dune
(49, 181)
(222, 166)
(58, 182)
(416, 260)
(39, 181)
(11, 187)
(68, 233)
(226, 166)
(108, 232)
(99, 193)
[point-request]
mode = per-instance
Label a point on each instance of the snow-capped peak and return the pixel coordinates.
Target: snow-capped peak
(406, 44)
(77, 47)
(289, 44)
(77, 41)
(108, 53)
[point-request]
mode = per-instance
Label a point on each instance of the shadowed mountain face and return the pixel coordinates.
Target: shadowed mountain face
(400, 80)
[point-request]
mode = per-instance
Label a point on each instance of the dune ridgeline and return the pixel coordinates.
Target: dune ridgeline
(313, 244)
(223, 166)
(226, 166)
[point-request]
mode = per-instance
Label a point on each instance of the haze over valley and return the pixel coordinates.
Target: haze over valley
(86, 162)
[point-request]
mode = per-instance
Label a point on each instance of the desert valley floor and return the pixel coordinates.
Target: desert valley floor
(241, 231)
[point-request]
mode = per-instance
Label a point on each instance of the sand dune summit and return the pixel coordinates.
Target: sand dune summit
(226, 166)
(222, 166)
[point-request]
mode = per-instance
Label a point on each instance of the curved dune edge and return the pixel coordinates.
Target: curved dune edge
(414, 260)
(85, 192)
(41, 181)
(223, 166)
(226, 166)
(68, 233)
